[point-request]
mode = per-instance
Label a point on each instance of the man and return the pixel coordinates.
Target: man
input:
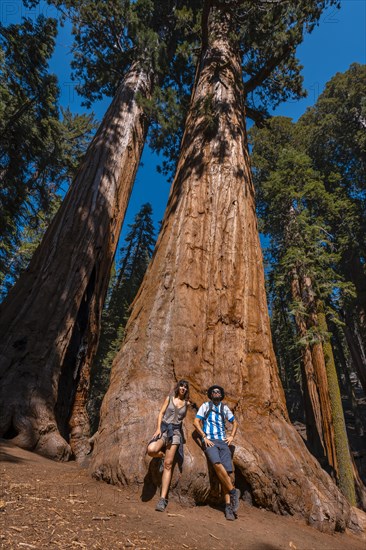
(210, 424)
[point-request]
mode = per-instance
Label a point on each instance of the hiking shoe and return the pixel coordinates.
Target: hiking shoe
(234, 500)
(161, 466)
(229, 514)
(161, 505)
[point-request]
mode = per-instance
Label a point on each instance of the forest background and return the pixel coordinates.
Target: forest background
(338, 41)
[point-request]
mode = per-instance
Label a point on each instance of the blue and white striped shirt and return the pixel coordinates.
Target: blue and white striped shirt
(213, 425)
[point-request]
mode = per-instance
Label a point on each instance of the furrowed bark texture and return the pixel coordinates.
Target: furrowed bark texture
(345, 465)
(319, 426)
(50, 320)
(201, 314)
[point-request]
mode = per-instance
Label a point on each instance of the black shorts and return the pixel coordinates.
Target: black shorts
(220, 454)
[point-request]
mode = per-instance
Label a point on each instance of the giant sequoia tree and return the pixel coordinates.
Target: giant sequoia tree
(201, 313)
(50, 320)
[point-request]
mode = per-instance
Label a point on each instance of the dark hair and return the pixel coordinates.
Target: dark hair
(176, 389)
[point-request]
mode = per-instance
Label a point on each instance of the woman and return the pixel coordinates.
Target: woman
(169, 436)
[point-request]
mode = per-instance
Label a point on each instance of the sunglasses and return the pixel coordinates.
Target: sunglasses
(216, 391)
(183, 386)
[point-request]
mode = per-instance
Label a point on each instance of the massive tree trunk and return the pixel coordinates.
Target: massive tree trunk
(201, 314)
(50, 320)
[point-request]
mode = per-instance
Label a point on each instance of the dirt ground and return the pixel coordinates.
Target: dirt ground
(44, 504)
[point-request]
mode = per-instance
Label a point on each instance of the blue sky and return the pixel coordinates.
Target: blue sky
(338, 41)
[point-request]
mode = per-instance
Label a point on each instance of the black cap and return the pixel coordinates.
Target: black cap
(216, 387)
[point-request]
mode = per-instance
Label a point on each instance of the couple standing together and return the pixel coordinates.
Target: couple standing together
(210, 424)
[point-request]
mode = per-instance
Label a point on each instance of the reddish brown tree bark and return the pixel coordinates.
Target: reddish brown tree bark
(50, 320)
(201, 314)
(319, 425)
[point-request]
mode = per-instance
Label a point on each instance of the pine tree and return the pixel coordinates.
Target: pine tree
(28, 239)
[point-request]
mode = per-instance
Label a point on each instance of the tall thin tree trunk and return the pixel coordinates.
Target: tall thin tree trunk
(355, 270)
(333, 423)
(50, 320)
(201, 314)
(345, 467)
(319, 430)
(347, 371)
(355, 348)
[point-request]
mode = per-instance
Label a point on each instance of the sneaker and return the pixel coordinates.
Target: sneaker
(229, 514)
(234, 500)
(161, 466)
(161, 505)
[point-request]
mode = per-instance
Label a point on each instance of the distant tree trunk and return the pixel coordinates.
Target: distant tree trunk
(347, 371)
(355, 347)
(201, 314)
(356, 272)
(334, 434)
(344, 461)
(319, 427)
(50, 320)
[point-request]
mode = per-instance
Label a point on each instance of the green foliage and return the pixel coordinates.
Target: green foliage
(164, 38)
(125, 282)
(285, 341)
(39, 152)
(334, 129)
(299, 215)
(269, 33)
(333, 132)
(110, 36)
(293, 205)
(29, 238)
(160, 36)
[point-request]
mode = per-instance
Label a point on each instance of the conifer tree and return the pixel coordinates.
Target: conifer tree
(334, 134)
(38, 151)
(295, 208)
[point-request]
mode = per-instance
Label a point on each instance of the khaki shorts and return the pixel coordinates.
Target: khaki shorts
(177, 437)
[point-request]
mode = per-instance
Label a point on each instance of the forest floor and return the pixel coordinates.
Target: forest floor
(45, 504)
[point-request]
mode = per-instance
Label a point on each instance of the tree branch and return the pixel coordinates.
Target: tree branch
(258, 117)
(257, 79)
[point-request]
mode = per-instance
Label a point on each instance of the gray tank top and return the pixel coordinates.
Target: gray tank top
(173, 414)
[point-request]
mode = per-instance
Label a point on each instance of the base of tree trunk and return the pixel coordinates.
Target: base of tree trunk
(273, 470)
(49, 444)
